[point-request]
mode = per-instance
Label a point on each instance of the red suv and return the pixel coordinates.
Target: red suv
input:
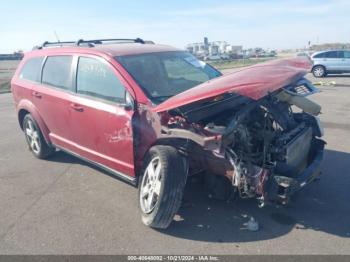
(154, 115)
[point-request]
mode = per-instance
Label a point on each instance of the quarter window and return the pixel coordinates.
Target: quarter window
(346, 54)
(57, 72)
(31, 69)
(321, 55)
(95, 78)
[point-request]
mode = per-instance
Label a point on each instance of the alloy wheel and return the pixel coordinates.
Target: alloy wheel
(32, 135)
(151, 185)
(318, 71)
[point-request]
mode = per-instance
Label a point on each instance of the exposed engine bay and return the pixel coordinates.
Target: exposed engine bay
(263, 147)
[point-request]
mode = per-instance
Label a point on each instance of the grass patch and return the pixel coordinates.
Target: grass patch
(238, 62)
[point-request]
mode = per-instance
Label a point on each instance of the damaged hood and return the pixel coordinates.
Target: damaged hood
(254, 82)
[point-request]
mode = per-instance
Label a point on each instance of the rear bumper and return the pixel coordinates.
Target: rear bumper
(280, 188)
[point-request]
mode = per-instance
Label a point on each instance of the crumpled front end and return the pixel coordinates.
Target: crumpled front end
(266, 148)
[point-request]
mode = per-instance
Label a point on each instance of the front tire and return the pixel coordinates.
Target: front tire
(35, 140)
(161, 186)
(319, 71)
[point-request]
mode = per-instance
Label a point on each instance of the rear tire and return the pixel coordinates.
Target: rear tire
(35, 140)
(319, 71)
(161, 186)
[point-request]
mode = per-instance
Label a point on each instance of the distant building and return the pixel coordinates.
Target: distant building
(221, 50)
(216, 48)
(206, 43)
(234, 48)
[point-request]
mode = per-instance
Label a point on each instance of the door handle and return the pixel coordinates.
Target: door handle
(36, 94)
(77, 107)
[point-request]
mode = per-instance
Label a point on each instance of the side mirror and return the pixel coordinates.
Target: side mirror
(129, 102)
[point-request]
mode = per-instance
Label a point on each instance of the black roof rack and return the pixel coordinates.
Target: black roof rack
(47, 44)
(91, 43)
(101, 41)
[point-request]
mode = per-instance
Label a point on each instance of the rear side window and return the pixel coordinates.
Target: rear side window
(331, 54)
(95, 78)
(57, 72)
(31, 69)
(346, 54)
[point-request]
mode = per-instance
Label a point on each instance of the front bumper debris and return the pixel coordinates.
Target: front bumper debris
(280, 188)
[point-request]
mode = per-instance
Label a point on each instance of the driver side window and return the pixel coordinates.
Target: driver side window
(95, 78)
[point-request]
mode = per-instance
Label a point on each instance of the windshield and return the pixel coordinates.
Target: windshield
(165, 74)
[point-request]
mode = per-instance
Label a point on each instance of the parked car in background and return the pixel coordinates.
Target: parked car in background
(212, 57)
(225, 56)
(238, 56)
(306, 54)
(330, 62)
(153, 115)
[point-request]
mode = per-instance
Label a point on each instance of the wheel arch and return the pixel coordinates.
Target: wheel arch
(179, 144)
(26, 107)
(21, 114)
(325, 68)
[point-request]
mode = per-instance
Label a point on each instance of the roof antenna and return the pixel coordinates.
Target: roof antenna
(58, 40)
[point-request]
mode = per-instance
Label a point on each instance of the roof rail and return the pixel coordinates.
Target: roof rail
(101, 41)
(90, 43)
(48, 44)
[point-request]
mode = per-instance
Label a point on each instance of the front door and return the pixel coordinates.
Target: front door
(102, 126)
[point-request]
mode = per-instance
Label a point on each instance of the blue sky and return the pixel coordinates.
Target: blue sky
(269, 24)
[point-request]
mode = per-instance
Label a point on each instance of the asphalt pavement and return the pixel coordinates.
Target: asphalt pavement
(65, 206)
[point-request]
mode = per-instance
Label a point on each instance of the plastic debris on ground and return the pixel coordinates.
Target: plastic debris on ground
(251, 225)
(322, 83)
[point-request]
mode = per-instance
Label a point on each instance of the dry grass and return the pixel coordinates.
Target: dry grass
(223, 64)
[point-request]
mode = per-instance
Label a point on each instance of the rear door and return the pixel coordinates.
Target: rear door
(332, 62)
(346, 61)
(102, 126)
(52, 96)
(28, 78)
(341, 60)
